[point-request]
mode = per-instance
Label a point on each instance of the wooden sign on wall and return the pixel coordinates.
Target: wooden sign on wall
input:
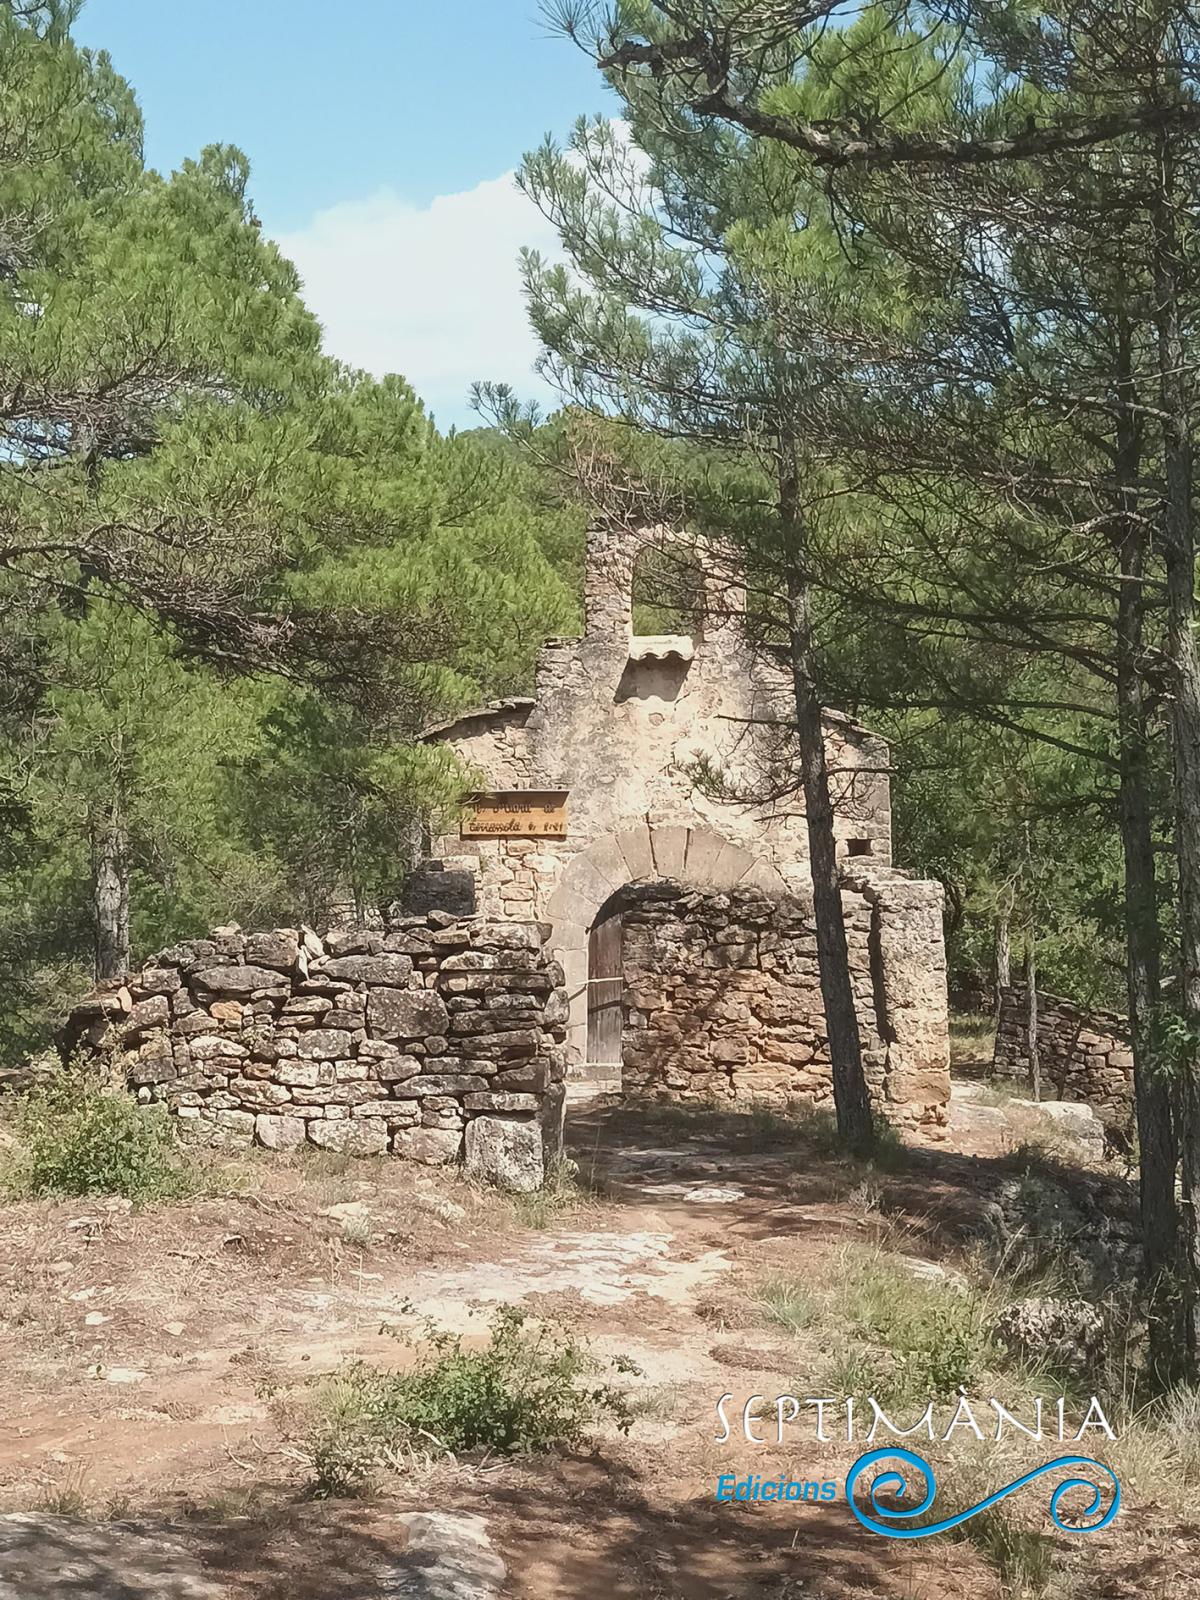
(517, 814)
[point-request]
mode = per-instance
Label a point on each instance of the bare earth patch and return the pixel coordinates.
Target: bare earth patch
(142, 1351)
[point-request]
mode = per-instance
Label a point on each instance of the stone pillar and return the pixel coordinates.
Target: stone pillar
(909, 960)
(608, 582)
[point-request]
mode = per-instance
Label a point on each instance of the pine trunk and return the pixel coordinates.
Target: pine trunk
(1180, 551)
(1031, 1018)
(1001, 962)
(1158, 1155)
(852, 1100)
(110, 896)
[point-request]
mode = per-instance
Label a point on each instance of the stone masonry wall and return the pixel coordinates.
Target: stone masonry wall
(439, 1039)
(1085, 1055)
(723, 1001)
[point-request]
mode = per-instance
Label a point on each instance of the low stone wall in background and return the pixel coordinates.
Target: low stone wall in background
(723, 996)
(438, 1039)
(1083, 1054)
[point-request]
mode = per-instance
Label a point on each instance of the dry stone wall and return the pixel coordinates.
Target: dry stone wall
(1083, 1055)
(723, 999)
(438, 1039)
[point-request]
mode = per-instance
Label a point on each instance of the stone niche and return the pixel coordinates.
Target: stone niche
(723, 997)
(441, 1039)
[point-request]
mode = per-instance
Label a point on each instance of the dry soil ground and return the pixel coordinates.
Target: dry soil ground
(139, 1348)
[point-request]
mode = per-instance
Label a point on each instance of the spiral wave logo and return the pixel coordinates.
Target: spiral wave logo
(888, 1520)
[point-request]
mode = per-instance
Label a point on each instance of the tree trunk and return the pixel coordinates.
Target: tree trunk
(110, 895)
(1002, 960)
(1180, 554)
(1158, 1155)
(851, 1098)
(1031, 1016)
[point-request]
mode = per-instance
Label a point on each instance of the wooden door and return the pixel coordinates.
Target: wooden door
(604, 991)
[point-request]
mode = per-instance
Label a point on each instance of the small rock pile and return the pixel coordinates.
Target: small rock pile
(440, 1038)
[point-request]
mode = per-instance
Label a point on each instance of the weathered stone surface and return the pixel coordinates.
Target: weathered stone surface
(1065, 1334)
(351, 1137)
(441, 1083)
(405, 1013)
(384, 969)
(397, 1068)
(213, 1047)
(503, 1100)
(154, 1012)
(237, 980)
(505, 1153)
(157, 980)
(43, 1557)
(278, 949)
(429, 1147)
(279, 1132)
(324, 1044)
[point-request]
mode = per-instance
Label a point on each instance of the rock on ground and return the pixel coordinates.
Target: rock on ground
(448, 1556)
(47, 1558)
(1067, 1333)
(439, 1556)
(1072, 1116)
(508, 1154)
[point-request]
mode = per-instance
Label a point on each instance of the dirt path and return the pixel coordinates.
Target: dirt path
(139, 1350)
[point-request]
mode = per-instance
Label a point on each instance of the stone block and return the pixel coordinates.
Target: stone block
(157, 980)
(279, 1132)
(212, 1047)
(279, 949)
(237, 980)
(396, 1068)
(634, 845)
(406, 1013)
(390, 969)
(428, 1147)
(505, 1153)
(670, 850)
(353, 1137)
(147, 1015)
(324, 1044)
(503, 1100)
(531, 1077)
(439, 1083)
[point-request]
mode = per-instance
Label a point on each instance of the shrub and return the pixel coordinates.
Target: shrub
(81, 1139)
(532, 1387)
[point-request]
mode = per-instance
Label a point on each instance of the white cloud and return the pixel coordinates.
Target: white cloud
(432, 292)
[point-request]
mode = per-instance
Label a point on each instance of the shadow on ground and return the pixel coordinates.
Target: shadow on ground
(792, 1177)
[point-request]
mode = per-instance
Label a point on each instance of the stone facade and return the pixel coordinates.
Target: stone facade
(723, 998)
(1083, 1055)
(626, 726)
(439, 1039)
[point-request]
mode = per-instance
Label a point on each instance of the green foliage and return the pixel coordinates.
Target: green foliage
(79, 1138)
(236, 579)
(531, 1388)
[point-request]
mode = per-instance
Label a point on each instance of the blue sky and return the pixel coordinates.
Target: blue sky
(382, 150)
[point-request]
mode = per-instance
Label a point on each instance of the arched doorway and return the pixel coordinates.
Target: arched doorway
(585, 895)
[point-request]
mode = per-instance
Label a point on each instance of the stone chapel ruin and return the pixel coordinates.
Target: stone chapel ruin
(683, 923)
(593, 915)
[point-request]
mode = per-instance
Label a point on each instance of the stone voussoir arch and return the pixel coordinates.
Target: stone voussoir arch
(698, 856)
